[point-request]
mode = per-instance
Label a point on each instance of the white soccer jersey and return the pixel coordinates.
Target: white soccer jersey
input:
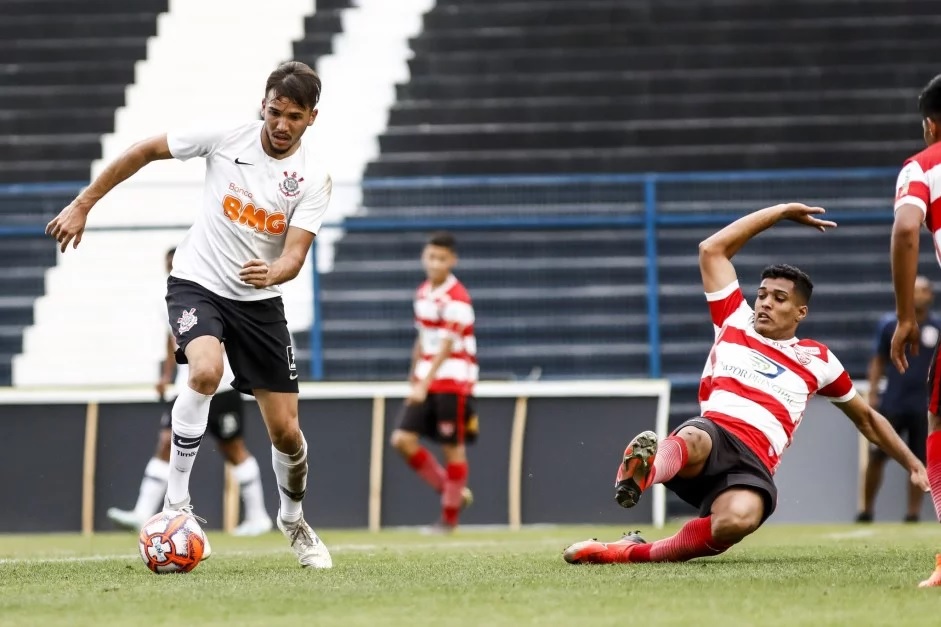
(249, 201)
(757, 388)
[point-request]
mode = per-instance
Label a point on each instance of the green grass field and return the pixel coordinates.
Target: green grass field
(783, 575)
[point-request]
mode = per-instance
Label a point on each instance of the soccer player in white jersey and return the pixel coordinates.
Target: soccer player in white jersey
(917, 202)
(225, 423)
(265, 197)
(755, 387)
(441, 405)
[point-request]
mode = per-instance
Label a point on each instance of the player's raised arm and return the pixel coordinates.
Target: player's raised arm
(69, 225)
(880, 432)
(716, 252)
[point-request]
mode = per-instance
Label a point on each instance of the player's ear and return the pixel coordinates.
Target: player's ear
(313, 116)
(801, 313)
(264, 103)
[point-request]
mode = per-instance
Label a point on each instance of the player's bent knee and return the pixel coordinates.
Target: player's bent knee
(934, 423)
(287, 439)
(205, 378)
(698, 444)
(403, 441)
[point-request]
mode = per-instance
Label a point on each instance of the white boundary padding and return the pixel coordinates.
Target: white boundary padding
(659, 388)
(662, 426)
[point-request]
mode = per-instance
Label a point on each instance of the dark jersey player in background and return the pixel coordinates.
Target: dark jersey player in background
(903, 401)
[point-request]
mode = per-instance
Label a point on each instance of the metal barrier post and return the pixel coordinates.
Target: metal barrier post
(316, 325)
(653, 282)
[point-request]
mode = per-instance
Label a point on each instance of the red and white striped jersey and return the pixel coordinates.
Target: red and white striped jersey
(758, 388)
(446, 312)
(919, 184)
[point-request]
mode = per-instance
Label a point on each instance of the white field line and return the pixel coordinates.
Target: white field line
(334, 548)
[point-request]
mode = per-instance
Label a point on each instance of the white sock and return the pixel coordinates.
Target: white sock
(249, 477)
(152, 488)
(291, 473)
(189, 417)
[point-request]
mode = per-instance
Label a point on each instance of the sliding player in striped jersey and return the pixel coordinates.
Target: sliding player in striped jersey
(755, 387)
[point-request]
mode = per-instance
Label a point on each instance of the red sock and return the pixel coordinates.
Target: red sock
(693, 540)
(671, 457)
(452, 498)
(428, 468)
(934, 470)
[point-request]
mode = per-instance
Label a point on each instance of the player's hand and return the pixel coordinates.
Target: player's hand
(68, 226)
(920, 477)
(802, 214)
(162, 387)
(417, 394)
(255, 273)
(906, 338)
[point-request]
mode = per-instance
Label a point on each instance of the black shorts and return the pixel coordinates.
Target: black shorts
(445, 418)
(912, 425)
(226, 415)
(257, 341)
(731, 464)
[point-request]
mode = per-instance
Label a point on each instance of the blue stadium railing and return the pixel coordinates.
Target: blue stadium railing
(655, 207)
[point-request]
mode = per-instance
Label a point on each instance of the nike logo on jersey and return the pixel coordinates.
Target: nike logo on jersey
(237, 162)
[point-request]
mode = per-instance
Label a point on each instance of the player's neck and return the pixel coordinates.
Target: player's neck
(436, 284)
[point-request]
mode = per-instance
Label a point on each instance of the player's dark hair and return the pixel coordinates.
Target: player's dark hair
(929, 101)
(295, 81)
(444, 240)
(802, 283)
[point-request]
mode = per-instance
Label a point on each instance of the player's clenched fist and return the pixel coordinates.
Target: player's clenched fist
(255, 273)
(68, 226)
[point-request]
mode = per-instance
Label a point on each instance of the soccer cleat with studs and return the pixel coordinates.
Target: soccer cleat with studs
(635, 472)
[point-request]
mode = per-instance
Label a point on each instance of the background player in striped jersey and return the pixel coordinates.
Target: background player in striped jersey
(917, 201)
(754, 390)
(440, 405)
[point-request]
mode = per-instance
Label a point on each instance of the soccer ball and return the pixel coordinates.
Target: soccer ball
(171, 542)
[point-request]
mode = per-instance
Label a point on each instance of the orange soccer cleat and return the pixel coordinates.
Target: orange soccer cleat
(594, 552)
(635, 473)
(935, 579)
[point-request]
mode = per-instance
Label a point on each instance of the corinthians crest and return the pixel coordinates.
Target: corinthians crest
(291, 185)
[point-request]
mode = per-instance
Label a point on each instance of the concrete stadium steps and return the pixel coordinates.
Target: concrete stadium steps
(612, 86)
(728, 156)
(631, 107)
(667, 11)
(612, 135)
(680, 81)
(65, 65)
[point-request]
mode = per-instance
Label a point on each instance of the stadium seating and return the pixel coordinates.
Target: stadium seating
(549, 87)
(65, 65)
(543, 86)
